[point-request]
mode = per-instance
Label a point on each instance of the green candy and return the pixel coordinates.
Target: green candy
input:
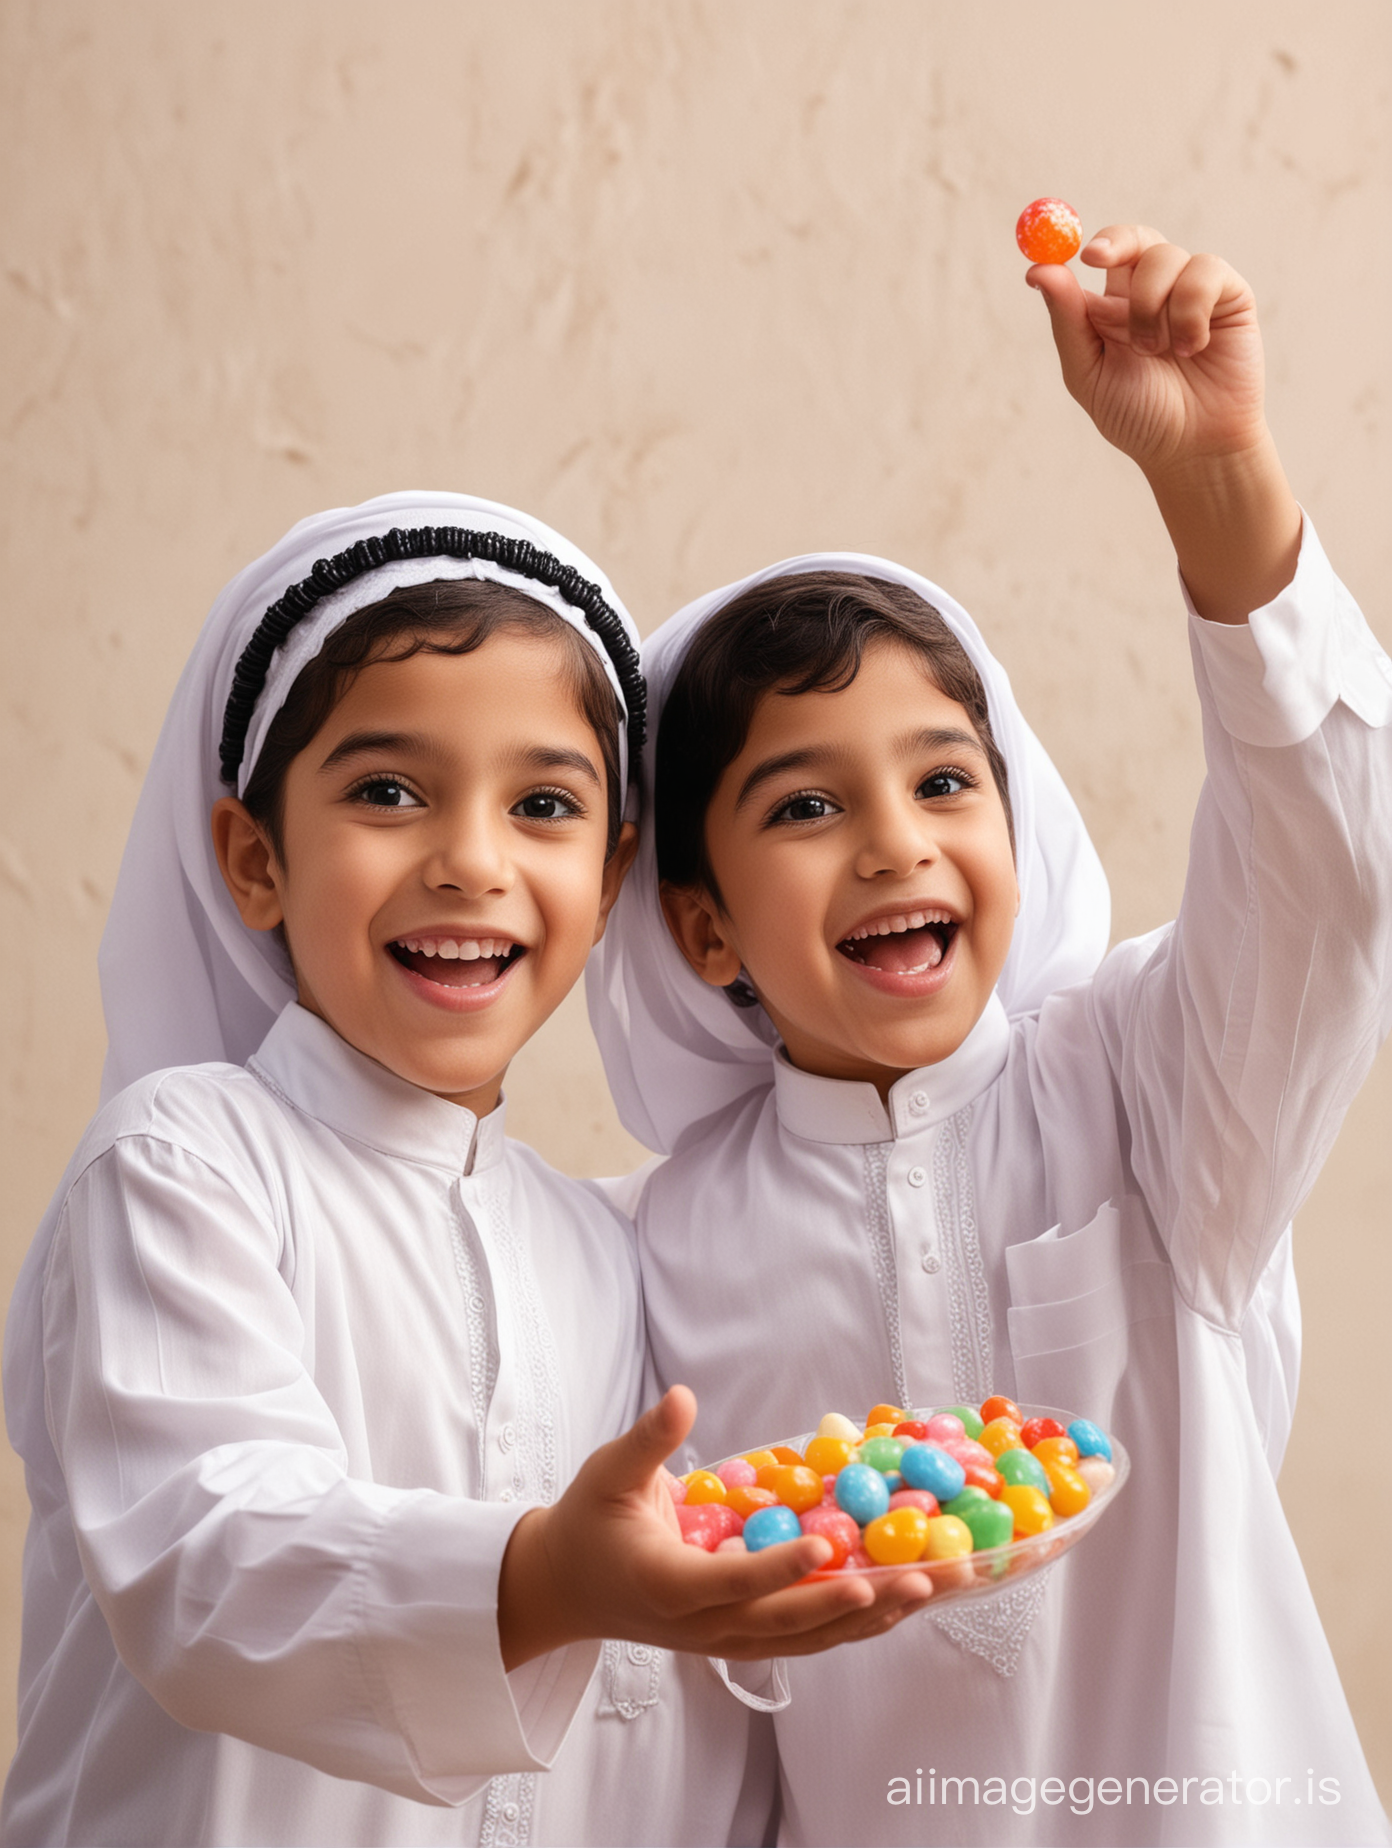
(971, 1421)
(991, 1522)
(1020, 1466)
(970, 1497)
(881, 1453)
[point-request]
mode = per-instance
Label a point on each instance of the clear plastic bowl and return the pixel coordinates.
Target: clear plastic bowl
(997, 1569)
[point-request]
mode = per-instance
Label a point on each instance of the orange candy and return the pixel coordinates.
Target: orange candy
(897, 1538)
(760, 1459)
(1056, 1450)
(1068, 1493)
(1049, 231)
(795, 1485)
(703, 1485)
(784, 1453)
(886, 1414)
(748, 1498)
(998, 1406)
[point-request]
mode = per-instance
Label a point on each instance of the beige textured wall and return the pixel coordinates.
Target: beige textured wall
(702, 283)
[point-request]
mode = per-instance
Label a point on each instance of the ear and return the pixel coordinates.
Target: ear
(248, 865)
(615, 872)
(702, 934)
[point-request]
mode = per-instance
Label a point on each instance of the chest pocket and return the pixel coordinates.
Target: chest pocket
(1088, 1306)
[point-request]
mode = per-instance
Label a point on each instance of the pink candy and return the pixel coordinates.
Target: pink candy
(737, 1474)
(944, 1426)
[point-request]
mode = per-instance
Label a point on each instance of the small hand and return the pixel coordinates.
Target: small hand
(1167, 360)
(608, 1560)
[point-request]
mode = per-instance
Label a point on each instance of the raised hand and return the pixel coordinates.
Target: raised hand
(608, 1560)
(1167, 362)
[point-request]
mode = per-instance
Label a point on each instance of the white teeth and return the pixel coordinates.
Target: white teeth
(458, 949)
(887, 927)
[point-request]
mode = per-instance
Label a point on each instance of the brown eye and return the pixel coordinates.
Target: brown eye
(385, 792)
(946, 783)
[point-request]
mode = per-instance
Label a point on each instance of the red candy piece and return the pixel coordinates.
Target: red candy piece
(1035, 1428)
(1049, 231)
(984, 1476)
(702, 1524)
(913, 1428)
(835, 1525)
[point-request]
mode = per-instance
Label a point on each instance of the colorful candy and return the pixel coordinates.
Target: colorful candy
(905, 1487)
(1049, 231)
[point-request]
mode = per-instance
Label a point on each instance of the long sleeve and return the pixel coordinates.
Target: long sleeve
(1239, 1036)
(252, 1583)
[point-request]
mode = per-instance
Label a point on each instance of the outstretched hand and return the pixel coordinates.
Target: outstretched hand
(1167, 362)
(609, 1560)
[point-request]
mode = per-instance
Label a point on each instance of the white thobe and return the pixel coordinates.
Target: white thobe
(296, 1346)
(1079, 1209)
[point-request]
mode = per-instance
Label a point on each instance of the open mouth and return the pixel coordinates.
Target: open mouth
(458, 962)
(911, 944)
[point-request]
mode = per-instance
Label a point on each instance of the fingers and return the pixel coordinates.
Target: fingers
(632, 1460)
(1158, 298)
(1079, 345)
(806, 1625)
(710, 1582)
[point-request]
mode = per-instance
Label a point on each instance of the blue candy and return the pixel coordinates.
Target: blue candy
(861, 1492)
(927, 1466)
(771, 1526)
(1090, 1441)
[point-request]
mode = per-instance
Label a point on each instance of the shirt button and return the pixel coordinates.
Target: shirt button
(918, 1102)
(917, 1176)
(511, 1812)
(931, 1262)
(507, 1437)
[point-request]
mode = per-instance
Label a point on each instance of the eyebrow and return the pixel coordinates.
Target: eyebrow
(377, 743)
(817, 757)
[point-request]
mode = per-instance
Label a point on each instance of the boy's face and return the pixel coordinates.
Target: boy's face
(861, 848)
(444, 872)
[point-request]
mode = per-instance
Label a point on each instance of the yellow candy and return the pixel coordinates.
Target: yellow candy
(1068, 1493)
(890, 1415)
(1000, 1434)
(1029, 1506)
(827, 1455)
(1056, 1450)
(703, 1485)
(836, 1425)
(897, 1538)
(948, 1538)
(880, 1430)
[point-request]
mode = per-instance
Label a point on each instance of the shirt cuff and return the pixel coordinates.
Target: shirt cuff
(1275, 678)
(436, 1667)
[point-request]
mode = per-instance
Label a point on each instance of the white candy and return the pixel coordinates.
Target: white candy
(1096, 1472)
(835, 1425)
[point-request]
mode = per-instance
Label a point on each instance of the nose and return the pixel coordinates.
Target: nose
(468, 853)
(898, 838)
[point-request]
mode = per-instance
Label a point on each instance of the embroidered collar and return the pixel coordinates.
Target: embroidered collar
(846, 1110)
(333, 1082)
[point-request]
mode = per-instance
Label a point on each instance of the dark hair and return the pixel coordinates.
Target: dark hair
(448, 616)
(791, 635)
